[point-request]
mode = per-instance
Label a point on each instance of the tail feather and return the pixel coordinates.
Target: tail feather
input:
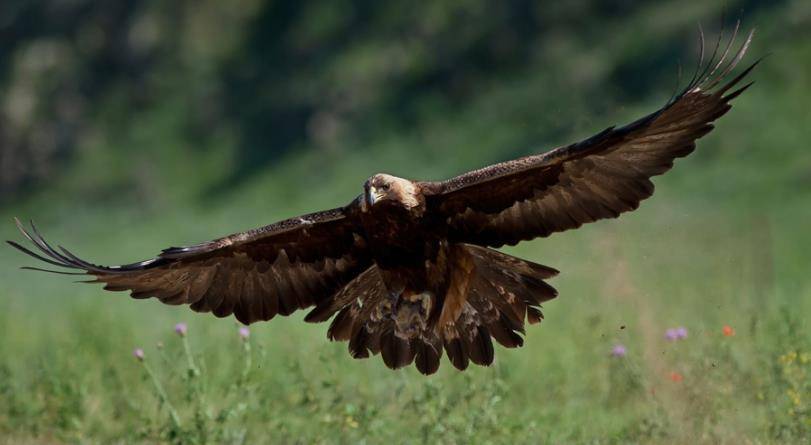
(505, 332)
(359, 341)
(456, 348)
(341, 327)
(427, 357)
(501, 292)
(491, 295)
(534, 315)
(396, 351)
(480, 347)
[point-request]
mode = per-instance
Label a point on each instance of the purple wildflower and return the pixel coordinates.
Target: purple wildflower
(618, 351)
(244, 332)
(672, 334)
(181, 329)
(681, 332)
(139, 354)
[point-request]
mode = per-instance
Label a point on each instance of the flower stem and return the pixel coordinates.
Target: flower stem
(162, 395)
(193, 369)
(246, 348)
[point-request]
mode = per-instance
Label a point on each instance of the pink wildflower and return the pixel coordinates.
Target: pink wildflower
(618, 351)
(244, 332)
(181, 329)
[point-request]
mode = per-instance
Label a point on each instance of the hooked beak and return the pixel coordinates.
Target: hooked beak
(373, 196)
(369, 198)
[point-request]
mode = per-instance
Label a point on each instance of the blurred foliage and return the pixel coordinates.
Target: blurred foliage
(254, 81)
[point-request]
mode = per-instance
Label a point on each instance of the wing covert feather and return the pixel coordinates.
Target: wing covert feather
(600, 177)
(255, 275)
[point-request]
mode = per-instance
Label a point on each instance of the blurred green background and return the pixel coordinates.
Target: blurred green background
(130, 126)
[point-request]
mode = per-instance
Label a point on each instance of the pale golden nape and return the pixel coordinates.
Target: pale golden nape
(384, 187)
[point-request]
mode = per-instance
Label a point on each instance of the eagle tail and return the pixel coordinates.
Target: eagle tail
(364, 316)
(490, 296)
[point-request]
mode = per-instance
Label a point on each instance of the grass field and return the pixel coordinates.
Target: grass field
(722, 250)
(69, 374)
(697, 260)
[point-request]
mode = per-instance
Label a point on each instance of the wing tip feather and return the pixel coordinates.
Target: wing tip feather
(65, 258)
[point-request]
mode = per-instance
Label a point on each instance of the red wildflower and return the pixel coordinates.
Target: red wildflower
(728, 331)
(676, 377)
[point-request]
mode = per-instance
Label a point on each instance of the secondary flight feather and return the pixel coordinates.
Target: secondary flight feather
(408, 269)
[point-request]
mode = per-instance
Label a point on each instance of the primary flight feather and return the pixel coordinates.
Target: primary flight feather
(408, 269)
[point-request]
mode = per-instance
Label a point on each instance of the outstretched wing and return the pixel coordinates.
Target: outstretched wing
(276, 269)
(600, 177)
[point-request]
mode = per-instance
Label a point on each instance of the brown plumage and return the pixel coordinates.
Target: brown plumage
(407, 270)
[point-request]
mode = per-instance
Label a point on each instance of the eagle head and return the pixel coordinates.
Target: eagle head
(383, 188)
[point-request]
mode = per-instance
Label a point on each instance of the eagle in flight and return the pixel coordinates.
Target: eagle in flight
(409, 269)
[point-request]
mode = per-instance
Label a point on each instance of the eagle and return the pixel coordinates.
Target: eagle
(409, 269)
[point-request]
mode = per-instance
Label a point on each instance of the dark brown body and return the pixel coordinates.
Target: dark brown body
(411, 255)
(430, 294)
